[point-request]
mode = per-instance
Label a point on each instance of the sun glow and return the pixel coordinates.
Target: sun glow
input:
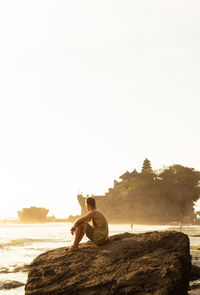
(80, 103)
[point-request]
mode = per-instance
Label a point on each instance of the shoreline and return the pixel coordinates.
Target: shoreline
(16, 221)
(40, 235)
(66, 220)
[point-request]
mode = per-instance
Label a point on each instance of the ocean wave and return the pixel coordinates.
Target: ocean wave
(4, 269)
(14, 268)
(8, 284)
(44, 249)
(24, 242)
(20, 268)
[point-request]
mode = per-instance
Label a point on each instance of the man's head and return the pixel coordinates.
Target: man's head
(90, 203)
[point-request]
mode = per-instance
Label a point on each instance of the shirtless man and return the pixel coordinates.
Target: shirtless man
(97, 233)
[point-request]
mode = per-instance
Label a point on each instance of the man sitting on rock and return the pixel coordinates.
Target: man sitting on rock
(97, 233)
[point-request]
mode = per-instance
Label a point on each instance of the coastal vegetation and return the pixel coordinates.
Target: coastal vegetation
(166, 195)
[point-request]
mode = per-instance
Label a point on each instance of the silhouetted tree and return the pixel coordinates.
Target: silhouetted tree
(180, 189)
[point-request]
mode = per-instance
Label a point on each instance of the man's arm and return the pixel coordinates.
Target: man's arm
(86, 218)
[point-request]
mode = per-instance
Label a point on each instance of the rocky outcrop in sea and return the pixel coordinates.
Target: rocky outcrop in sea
(156, 263)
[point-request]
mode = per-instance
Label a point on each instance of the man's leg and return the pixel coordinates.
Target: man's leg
(79, 233)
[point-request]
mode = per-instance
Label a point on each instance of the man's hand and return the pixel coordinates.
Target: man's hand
(73, 230)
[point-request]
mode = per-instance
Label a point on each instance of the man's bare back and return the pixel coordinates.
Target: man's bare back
(97, 218)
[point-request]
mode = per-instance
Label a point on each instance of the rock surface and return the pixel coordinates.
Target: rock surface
(195, 273)
(6, 285)
(154, 263)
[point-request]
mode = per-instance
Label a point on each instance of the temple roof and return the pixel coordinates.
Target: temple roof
(125, 175)
(134, 173)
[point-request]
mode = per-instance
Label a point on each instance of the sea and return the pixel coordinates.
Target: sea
(21, 243)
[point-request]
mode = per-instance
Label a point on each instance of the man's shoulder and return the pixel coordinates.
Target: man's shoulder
(99, 212)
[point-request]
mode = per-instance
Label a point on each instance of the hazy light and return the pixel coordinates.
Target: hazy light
(88, 90)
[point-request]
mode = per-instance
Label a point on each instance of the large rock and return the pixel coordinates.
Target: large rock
(155, 263)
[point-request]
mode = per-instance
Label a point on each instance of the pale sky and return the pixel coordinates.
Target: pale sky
(88, 90)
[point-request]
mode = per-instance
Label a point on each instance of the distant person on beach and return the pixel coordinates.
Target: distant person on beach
(97, 233)
(180, 225)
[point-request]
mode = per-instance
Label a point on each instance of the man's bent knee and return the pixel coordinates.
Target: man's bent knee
(83, 225)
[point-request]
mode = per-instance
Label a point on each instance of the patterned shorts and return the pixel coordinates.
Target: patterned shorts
(89, 232)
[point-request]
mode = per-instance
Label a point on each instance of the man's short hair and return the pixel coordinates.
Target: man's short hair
(91, 202)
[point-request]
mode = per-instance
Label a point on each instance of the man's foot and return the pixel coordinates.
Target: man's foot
(72, 248)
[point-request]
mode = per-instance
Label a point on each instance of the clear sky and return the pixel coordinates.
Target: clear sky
(88, 89)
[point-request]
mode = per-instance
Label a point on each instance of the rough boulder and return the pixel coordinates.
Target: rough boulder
(153, 263)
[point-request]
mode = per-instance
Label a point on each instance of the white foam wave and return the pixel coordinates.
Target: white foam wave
(14, 268)
(24, 242)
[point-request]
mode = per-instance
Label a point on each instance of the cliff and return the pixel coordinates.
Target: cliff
(156, 263)
(127, 210)
(148, 197)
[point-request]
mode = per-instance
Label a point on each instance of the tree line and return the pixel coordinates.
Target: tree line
(169, 192)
